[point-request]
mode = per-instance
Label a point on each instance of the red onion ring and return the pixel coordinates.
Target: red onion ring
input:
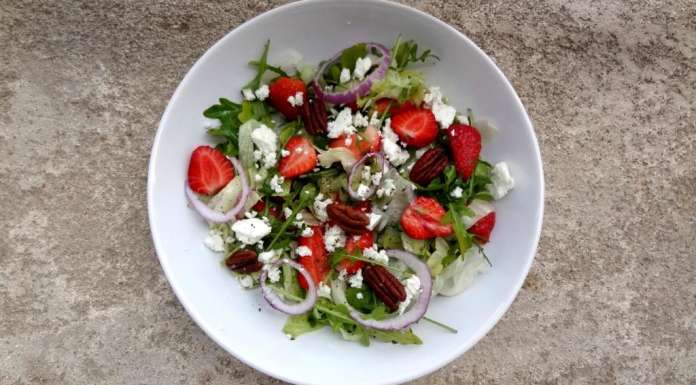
(417, 310)
(354, 170)
(277, 302)
(362, 88)
(216, 216)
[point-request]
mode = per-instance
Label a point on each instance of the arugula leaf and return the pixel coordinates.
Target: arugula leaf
(351, 54)
(269, 67)
(287, 131)
(365, 302)
(405, 337)
(297, 325)
(306, 196)
(227, 113)
(406, 52)
(261, 66)
(256, 110)
(464, 239)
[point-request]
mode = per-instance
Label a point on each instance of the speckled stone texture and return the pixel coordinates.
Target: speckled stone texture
(610, 86)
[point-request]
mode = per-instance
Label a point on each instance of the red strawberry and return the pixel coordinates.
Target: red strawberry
(302, 157)
(465, 146)
(317, 263)
(281, 89)
(361, 242)
(209, 170)
(483, 227)
(422, 219)
(395, 109)
(416, 127)
(360, 144)
(260, 207)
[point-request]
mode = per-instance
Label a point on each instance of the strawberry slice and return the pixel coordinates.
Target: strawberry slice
(356, 242)
(360, 144)
(281, 89)
(483, 227)
(422, 219)
(302, 158)
(209, 170)
(316, 263)
(465, 146)
(395, 109)
(416, 127)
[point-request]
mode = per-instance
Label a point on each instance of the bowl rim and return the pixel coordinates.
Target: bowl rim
(495, 316)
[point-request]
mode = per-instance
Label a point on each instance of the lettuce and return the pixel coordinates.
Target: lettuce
(337, 154)
(434, 262)
(400, 85)
(460, 274)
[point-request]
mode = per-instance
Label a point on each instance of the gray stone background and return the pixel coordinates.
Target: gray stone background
(610, 86)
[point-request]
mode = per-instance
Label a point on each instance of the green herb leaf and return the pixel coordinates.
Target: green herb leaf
(406, 52)
(351, 54)
(261, 66)
(398, 337)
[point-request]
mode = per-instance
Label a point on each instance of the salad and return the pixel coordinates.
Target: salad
(350, 193)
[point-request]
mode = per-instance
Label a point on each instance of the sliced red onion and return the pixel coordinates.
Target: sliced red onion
(356, 168)
(216, 216)
(362, 88)
(417, 310)
(277, 302)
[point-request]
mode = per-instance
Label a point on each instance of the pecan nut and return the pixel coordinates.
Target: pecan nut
(313, 113)
(243, 261)
(429, 166)
(385, 285)
(351, 220)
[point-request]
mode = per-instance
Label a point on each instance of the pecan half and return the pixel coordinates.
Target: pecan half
(313, 114)
(429, 166)
(385, 285)
(243, 261)
(351, 220)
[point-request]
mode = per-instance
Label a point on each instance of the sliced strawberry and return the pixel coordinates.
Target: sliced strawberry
(395, 109)
(209, 170)
(317, 263)
(302, 158)
(465, 147)
(281, 89)
(360, 144)
(416, 127)
(356, 242)
(422, 219)
(260, 207)
(483, 227)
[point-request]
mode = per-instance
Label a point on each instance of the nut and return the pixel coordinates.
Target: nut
(385, 285)
(313, 114)
(351, 220)
(429, 166)
(243, 261)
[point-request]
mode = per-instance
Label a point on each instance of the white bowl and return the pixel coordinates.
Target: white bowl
(239, 320)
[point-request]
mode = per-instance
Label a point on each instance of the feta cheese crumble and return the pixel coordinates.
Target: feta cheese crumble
(359, 295)
(307, 232)
(295, 100)
(501, 181)
(345, 76)
(362, 65)
(377, 256)
(334, 238)
(412, 286)
(267, 257)
(246, 281)
(341, 125)
(214, 241)
(266, 141)
(251, 230)
(324, 290)
(284, 153)
(395, 154)
(457, 192)
(444, 113)
(262, 93)
(359, 120)
(320, 207)
(374, 219)
(356, 280)
(248, 94)
(363, 192)
(387, 188)
(303, 251)
(276, 183)
(273, 273)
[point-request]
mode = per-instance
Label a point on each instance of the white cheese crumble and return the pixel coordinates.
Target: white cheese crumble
(324, 290)
(248, 94)
(262, 93)
(273, 273)
(345, 76)
(287, 211)
(374, 120)
(362, 65)
(387, 188)
(356, 280)
(501, 181)
(376, 178)
(214, 241)
(258, 177)
(320, 207)
(303, 251)
(295, 100)
(284, 153)
(267, 142)
(363, 192)
(444, 113)
(457, 192)
(251, 230)
(307, 232)
(334, 238)
(341, 125)
(463, 119)
(412, 286)
(359, 296)
(395, 154)
(211, 123)
(377, 256)
(267, 257)
(276, 183)
(374, 219)
(246, 281)
(359, 120)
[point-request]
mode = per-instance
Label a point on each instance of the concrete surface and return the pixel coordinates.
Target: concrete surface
(610, 86)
